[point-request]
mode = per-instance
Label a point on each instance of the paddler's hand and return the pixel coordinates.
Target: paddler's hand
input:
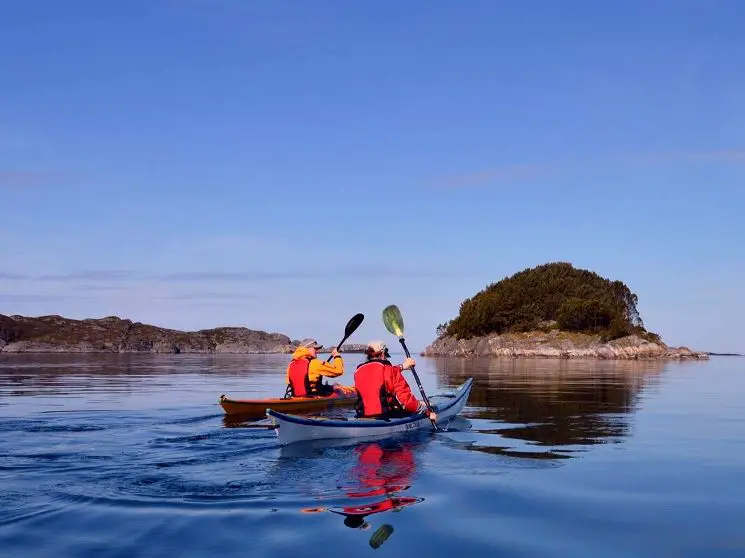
(423, 409)
(335, 353)
(408, 363)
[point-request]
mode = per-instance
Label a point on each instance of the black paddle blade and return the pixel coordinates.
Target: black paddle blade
(353, 324)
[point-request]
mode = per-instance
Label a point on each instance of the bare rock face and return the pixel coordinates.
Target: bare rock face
(19, 334)
(558, 344)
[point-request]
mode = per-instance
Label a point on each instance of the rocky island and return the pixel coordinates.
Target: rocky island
(55, 334)
(553, 311)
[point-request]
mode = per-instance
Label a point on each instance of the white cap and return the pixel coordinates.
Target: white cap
(377, 346)
(310, 344)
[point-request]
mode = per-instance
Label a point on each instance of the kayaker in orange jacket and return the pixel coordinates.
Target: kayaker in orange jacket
(381, 387)
(305, 372)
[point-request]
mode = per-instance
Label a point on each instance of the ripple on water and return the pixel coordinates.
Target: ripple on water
(21, 507)
(533, 470)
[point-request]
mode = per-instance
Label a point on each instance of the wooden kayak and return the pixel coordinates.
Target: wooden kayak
(256, 408)
(293, 428)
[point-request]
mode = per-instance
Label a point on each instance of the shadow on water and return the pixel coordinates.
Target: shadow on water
(572, 404)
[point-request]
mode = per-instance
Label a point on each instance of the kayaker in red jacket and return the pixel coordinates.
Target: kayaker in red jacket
(381, 388)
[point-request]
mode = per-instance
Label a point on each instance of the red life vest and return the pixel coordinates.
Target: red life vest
(300, 385)
(373, 398)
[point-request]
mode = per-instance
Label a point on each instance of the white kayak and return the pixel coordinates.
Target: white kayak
(295, 428)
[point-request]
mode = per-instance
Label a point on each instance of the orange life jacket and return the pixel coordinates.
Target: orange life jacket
(300, 385)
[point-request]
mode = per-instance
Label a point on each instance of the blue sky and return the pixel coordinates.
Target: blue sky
(284, 165)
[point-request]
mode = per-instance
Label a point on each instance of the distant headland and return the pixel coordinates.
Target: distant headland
(553, 311)
(55, 334)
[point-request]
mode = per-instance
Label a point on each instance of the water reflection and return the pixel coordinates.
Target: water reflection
(123, 375)
(552, 402)
(382, 470)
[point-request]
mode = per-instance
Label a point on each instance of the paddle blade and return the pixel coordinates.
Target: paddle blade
(393, 320)
(353, 324)
(381, 535)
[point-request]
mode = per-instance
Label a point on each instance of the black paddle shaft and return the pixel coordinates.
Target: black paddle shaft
(418, 383)
(337, 348)
(352, 326)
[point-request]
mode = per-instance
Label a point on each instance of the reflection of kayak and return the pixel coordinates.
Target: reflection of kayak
(396, 503)
(256, 408)
(393, 503)
(292, 428)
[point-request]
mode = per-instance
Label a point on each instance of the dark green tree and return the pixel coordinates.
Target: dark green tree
(554, 293)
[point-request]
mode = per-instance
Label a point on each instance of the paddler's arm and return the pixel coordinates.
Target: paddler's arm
(421, 405)
(401, 390)
(331, 369)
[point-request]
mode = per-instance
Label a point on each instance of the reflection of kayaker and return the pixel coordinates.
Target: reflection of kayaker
(380, 471)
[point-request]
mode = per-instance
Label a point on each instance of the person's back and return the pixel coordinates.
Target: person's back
(305, 372)
(381, 388)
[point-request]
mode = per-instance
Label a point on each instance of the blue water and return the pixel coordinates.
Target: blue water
(130, 455)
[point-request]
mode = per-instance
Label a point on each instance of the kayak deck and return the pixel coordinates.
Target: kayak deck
(256, 408)
(293, 428)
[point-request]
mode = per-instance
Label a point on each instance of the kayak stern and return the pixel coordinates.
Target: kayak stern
(343, 396)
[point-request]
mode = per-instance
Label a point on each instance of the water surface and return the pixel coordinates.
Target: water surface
(130, 455)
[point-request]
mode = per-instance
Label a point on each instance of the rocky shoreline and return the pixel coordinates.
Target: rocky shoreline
(558, 344)
(350, 348)
(55, 334)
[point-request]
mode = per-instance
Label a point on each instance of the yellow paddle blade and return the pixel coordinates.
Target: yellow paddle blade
(393, 320)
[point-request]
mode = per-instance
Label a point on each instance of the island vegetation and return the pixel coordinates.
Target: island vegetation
(551, 296)
(567, 310)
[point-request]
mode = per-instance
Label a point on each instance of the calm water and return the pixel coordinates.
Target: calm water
(131, 456)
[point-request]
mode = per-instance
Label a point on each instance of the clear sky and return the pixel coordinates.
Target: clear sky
(283, 165)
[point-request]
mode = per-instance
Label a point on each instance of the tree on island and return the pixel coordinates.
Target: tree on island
(550, 296)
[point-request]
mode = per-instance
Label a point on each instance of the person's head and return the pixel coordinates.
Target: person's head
(377, 349)
(312, 345)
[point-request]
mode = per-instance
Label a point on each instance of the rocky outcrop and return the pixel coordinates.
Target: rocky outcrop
(55, 334)
(558, 344)
(348, 348)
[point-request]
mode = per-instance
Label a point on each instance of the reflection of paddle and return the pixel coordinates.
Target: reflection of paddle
(381, 535)
(235, 421)
(394, 323)
(352, 325)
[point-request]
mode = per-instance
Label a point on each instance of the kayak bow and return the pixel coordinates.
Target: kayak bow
(256, 408)
(293, 428)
